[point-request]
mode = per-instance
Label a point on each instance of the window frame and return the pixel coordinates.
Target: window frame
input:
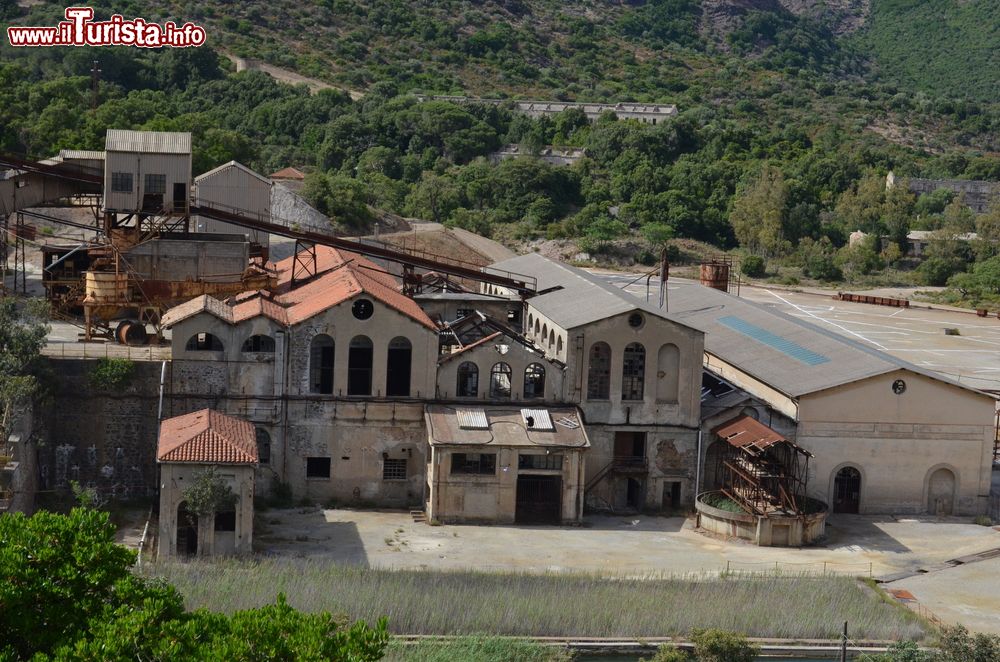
(497, 373)
(311, 469)
(634, 372)
(122, 182)
(484, 465)
(391, 469)
(459, 393)
(149, 179)
(600, 388)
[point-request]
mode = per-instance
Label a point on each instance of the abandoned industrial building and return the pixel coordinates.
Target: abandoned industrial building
(525, 391)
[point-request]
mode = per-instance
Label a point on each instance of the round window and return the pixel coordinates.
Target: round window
(635, 320)
(362, 309)
(899, 387)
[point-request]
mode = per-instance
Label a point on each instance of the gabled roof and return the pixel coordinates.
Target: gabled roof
(581, 298)
(340, 276)
(149, 142)
(233, 164)
(288, 173)
(207, 437)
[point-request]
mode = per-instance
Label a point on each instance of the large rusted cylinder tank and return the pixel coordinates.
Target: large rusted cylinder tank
(715, 275)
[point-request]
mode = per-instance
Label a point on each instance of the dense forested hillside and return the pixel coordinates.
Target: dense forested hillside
(791, 111)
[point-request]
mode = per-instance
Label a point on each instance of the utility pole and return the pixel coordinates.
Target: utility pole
(95, 84)
(843, 645)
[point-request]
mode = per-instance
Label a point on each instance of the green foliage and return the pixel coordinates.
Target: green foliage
(668, 653)
(721, 646)
(209, 493)
(982, 281)
(69, 594)
(474, 649)
(753, 266)
(957, 644)
(111, 374)
(23, 328)
(937, 270)
(758, 213)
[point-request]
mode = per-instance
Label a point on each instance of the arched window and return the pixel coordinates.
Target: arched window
(259, 343)
(263, 446)
(599, 372)
(633, 372)
(531, 320)
(203, 342)
(468, 380)
(552, 339)
(559, 345)
(667, 373)
(500, 380)
(538, 327)
(534, 381)
(359, 366)
(321, 364)
(398, 361)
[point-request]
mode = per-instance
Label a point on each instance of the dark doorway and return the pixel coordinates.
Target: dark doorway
(847, 491)
(187, 531)
(633, 494)
(671, 496)
(538, 500)
(152, 203)
(359, 366)
(397, 379)
(630, 447)
(180, 196)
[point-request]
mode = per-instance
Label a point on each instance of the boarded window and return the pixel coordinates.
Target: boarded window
(317, 467)
(155, 184)
(263, 446)
(599, 372)
(258, 343)
(321, 364)
(500, 380)
(468, 380)
(633, 372)
(121, 182)
(474, 463)
(667, 373)
(534, 381)
(398, 362)
(394, 469)
(359, 366)
(203, 342)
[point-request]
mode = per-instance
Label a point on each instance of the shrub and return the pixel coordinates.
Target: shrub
(983, 520)
(721, 646)
(753, 266)
(937, 270)
(111, 374)
(668, 653)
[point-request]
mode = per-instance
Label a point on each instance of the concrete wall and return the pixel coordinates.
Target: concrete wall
(175, 478)
(518, 357)
(897, 442)
(221, 259)
(493, 498)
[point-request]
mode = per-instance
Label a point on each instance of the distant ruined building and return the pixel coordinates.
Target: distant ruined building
(647, 113)
(977, 194)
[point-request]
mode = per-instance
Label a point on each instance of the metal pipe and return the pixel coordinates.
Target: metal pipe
(163, 379)
(697, 473)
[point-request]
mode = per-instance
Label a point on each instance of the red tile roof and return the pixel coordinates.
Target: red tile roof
(207, 437)
(340, 277)
(288, 173)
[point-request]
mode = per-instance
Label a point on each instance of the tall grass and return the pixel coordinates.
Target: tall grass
(473, 649)
(434, 602)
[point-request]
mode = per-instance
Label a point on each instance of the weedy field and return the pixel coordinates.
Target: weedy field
(435, 602)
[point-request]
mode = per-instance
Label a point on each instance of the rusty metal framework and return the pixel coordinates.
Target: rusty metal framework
(766, 475)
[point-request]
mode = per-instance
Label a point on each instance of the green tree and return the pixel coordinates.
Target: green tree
(23, 327)
(433, 198)
(861, 207)
(819, 259)
(897, 213)
(758, 213)
(209, 493)
(987, 243)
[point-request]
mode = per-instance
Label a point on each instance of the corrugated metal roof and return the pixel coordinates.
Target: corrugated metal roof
(82, 154)
(150, 142)
(746, 431)
(582, 298)
(537, 419)
(472, 419)
(778, 337)
(232, 164)
(504, 427)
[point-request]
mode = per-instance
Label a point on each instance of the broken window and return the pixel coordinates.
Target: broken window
(121, 182)
(317, 467)
(468, 380)
(398, 361)
(263, 446)
(549, 462)
(259, 343)
(203, 342)
(359, 366)
(225, 521)
(321, 364)
(599, 372)
(483, 464)
(500, 380)
(394, 469)
(534, 381)
(155, 184)
(633, 372)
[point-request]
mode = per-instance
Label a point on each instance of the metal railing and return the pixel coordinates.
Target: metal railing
(106, 351)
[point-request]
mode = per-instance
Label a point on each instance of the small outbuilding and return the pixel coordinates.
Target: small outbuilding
(217, 452)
